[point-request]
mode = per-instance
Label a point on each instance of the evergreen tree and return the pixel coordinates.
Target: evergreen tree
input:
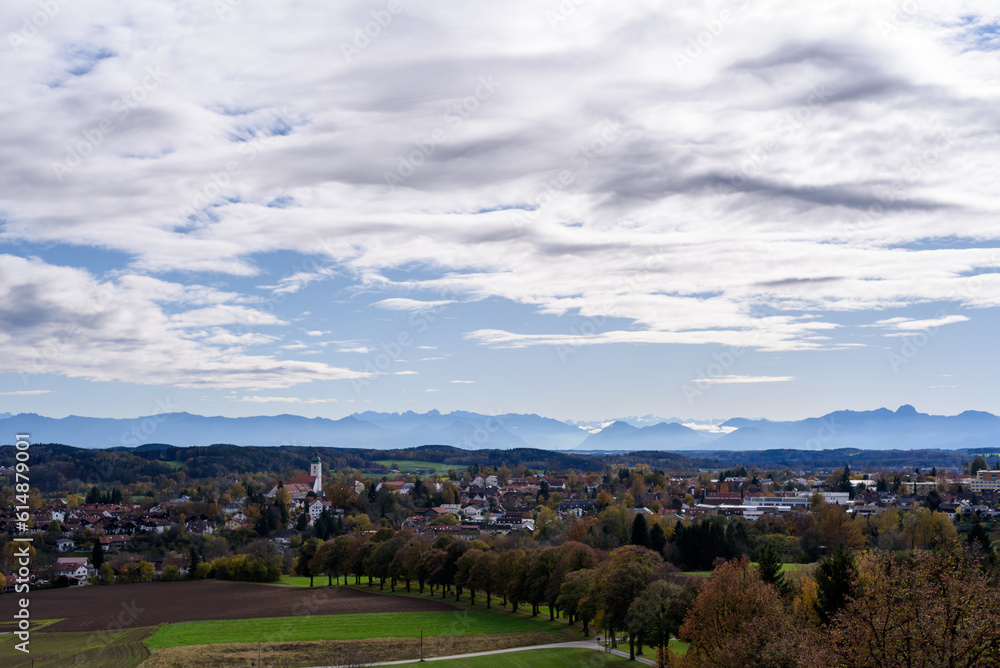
(769, 567)
(835, 581)
(640, 531)
(97, 556)
(657, 538)
(302, 522)
(194, 559)
(979, 538)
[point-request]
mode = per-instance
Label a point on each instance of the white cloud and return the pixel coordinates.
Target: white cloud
(735, 379)
(62, 320)
(803, 165)
(315, 332)
(286, 400)
(462, 382)
(408, 372)
(403, 304)
(909, 325)
(23, 393)
(358, 349)
(709, 428)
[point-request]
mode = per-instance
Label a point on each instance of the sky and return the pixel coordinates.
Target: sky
(572, 208)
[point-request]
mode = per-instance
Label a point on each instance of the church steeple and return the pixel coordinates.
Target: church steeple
(316, 470)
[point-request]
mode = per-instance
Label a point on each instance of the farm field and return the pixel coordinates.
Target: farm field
(96, 608)
(345, 627)
(121, 649)
(411, 466)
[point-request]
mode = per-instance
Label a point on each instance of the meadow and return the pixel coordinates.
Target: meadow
(344, 627)
(412, 466)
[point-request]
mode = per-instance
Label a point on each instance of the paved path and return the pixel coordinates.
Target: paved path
(578, 644)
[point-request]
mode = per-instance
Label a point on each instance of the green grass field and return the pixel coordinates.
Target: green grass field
(344, 627)
(535, 658)
(123, 649)
(302, 581)
(412, 466)
(785, 568)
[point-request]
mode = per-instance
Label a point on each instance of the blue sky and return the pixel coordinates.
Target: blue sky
(700, 210)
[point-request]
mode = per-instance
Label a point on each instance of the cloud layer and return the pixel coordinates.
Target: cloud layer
(738, 173)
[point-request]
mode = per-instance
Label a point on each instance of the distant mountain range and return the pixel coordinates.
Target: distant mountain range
(881, 429)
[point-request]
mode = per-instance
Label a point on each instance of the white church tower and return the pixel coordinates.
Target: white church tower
(316, 470)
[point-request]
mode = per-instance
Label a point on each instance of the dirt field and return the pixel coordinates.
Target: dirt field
(113, 607)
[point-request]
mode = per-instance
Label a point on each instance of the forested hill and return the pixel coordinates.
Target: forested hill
(857, 458)
(55, 465)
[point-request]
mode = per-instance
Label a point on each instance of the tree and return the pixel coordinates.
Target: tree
(978, 464)
(835, 580)
(194, 559)
(303, 566)
(640, 531)
(484, 574)
(932, 609)
(627, 575)
(656, 615)
(979, 539)
(577, 597)
(105, 574)
(329, 558)
(97, 555)
(514, 565)
(657, 538)
(738, 620)
(836, 528)
(769, 568)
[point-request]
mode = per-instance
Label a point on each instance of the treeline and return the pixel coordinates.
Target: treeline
(871, 608)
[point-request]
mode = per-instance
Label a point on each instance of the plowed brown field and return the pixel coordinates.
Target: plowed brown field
(113, 607)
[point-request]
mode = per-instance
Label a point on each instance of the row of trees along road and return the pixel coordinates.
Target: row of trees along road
(937, 607)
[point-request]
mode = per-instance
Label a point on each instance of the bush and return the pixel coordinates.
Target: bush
(246, 568)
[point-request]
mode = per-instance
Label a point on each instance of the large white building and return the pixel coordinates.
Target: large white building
(985, 480)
